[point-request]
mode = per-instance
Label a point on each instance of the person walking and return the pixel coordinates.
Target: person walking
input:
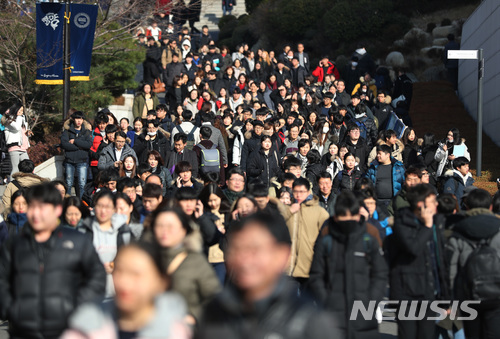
(16, 135)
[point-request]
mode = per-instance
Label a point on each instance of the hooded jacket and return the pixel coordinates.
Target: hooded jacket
(457, 183)
(97, 321)
(78, 151)
(398, 175)
(41, 284)
(251, 144)
(397, 151)
(25, 180)
(480, 223)
(347, 267)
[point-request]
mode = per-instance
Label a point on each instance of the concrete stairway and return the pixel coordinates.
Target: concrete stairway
(211, 12)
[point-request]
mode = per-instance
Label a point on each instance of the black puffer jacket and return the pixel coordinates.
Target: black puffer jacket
(410, 259)
(345, 180)
(263, 166)
(313, 171)
(281, 315)
(41, 284)
(252, 143)
(78, 151)
(160, 144)
(360, 151)
(347, 266)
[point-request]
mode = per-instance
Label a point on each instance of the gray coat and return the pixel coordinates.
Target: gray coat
(218, 140)
(107, 158)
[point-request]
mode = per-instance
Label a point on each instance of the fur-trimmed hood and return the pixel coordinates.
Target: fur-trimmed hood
(86, 124)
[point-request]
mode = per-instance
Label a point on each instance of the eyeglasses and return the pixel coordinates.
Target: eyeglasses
(237, 180)
(300, 192)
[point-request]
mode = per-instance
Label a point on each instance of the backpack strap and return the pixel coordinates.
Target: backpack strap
(17, 184)
(176, 262)
(192, 131)
(179, 128)
(203, 148)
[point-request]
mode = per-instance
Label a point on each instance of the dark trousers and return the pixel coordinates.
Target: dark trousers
(486, 325)
(416, 329)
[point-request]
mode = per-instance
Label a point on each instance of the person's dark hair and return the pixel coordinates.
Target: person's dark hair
(303, 142)
(19, 193)
(11, 113)
(338, 119)
(180, 136)
(187, 115)
(496, 203)
(265, 137)
(237, 171)
(285, 189)
(161, 107)
(429, 140)
(62, 183)
(288, 176)
(347, 204)
(459, 162)
(205, 132)
(100, 118)
(447, 204)
(143, 168)
(110, 174)
(457, 139)
(213, 188)
(76, 202)
(384, 148)
(413, 170)
(111, 129)
(186, 193)
(156, 155)
(406, 135)
(313, 157)
(348, 154)
(120, 134)
(258, 190)
(302, 182)
(183, 166)
(166, 208)
(123, 183)
(272, 222)
(362, 184)
(324, 175)
(153, 251)
(478, 198)
(291, 162)
(154, 122)
(26, 166)
(103, 193)
(418, 194)
(352, 127)
(46, 193)
(152, 191)
(328, 95)
(123, 196)
(152, 176)
(126, 119)
(389, 133)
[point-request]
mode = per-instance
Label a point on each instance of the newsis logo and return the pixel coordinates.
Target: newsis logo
(407, 310)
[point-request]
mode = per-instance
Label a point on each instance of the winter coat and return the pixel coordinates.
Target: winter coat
(95, 150)
(78, 151)
(251, 144)
(329, 203)
(480, 223)
(290, 147)
(398, 175)
(304, 227)
(399, 201)
(397, 151)
(172, 69)
(382, 112)
(313, 171)
(186, 127)
(96, 321)
(457, 183)
(283, 315)
(165, 177)
(319, 72)
(218, 140)
(263, 166)
(42, 284)
(107, 158)
(371, 130)
(360, 151)
(239, 141)
(15, 223)
(160, 144)
(140, 102)
(346, 180)
(348, 265)
(187, 155)
(14, 130)
(411, 265)
(442, 156)
(194, 279)
(25, 180)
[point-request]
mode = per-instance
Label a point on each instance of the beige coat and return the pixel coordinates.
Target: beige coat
(25, 180)
(304, 227)
(166, 56)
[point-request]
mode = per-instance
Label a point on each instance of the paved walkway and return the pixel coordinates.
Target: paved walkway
(211, 12)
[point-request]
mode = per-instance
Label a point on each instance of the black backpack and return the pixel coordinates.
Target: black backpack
(480, 276)
(190, 137)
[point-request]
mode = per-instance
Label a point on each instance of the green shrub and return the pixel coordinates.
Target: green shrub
(251, 5)
(225, 20)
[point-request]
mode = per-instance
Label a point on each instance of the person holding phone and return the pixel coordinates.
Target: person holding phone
(415, 253)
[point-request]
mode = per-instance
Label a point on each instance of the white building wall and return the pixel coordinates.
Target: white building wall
(482, 30)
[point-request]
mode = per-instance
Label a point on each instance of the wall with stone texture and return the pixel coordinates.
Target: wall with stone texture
(482, 30)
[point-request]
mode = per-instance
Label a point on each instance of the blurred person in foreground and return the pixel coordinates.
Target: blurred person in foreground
(140, 309)
(261, 302)
(46, 270)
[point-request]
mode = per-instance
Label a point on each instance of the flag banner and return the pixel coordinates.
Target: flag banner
(49, 40)
(82, 24)
(49, 43)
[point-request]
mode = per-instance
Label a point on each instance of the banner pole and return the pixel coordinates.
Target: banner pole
(66, 62)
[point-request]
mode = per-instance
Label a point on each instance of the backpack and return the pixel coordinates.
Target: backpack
(210, 159)
(481, 272)
(190, 137)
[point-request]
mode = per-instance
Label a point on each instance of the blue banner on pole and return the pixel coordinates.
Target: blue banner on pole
(49, 39)
(49, 43)
(82, 26)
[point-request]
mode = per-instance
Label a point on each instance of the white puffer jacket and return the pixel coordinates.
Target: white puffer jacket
(14, 131)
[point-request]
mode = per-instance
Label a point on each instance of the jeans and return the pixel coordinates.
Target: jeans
(81, 170)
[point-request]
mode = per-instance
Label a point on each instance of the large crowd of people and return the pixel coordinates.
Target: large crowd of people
(260, 198)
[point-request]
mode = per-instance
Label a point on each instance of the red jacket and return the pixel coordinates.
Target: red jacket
(95, 145)
(318, 72)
